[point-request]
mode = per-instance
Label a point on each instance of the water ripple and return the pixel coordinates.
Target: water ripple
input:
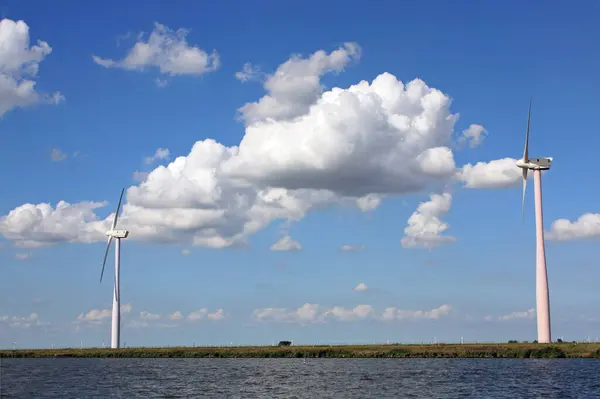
(294, 378)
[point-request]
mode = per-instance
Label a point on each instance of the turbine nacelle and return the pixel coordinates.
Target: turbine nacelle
(114, 233)
(117, 233)
(535, 163)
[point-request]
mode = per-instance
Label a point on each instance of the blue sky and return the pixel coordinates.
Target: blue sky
(487, 58)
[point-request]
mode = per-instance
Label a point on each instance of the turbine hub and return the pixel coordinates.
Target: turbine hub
(522, 164)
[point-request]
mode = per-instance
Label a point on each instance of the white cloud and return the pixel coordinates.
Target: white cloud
(306, 313)
(248, 72)
(31, 225)
(296, 84)
(218, 315)
(29, 321)
(528, 314)
(339, 313)
(351, 148)
(22, 256)
(203, 313)
(311, 313)
(168, 51)
(353, 247)
(393, 313)
(148, 319)
(499, 173)
(161, 82)
(19, 66)
(587, 226)
(147, 316)
(185, 252)
(424, 225)
(96, 316)
(57, 155)
(474, 135)
(177, 315)
(368, 202)
(286, 243)
(361, 287)
(159, 154)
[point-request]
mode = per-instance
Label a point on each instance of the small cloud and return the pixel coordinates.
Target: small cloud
(22, 256)
(361, 287)
(204, 314)
(185, 252)
(587, 226)
(368, 202)
(168, 51)
(425, 226)
(23, 321)
(56, 98)
(99, 315)
(147, 316)
(218, 315)
(159, 154)
(175, 315)
(161, 82)
(286, 243)
(528, 314)
(197, 315)
(248, 72)
(353, 247)
(474, 135)
(57, 155)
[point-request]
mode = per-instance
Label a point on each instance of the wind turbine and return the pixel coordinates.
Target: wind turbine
(541, 274)
(116, 311)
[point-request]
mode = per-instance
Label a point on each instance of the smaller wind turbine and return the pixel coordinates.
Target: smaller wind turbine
(541, 272)
(116, 311)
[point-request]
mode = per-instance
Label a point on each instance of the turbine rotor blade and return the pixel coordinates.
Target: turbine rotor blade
(524, 189)
(105, 255)
(526, 152)
(118, 208)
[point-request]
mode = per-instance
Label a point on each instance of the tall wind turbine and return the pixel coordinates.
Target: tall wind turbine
(541, 274)
(116, 311)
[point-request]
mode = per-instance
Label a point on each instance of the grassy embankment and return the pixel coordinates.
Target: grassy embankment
(519, 350)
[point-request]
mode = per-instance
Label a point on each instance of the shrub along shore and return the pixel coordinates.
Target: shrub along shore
(515, 350)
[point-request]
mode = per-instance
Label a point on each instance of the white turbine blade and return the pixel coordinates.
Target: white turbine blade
(524, 189)
(105, 255)
(117, 212)
(526, 152)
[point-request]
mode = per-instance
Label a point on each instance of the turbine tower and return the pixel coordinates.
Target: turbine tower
(116, 311)
(541, 274)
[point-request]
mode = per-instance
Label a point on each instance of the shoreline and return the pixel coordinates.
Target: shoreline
(517, 350)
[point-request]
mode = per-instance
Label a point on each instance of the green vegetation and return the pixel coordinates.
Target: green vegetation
(510, 350)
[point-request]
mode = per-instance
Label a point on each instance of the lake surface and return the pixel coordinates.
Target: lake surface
(294, 378)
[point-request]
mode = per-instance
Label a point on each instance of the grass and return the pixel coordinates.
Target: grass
(512, 350)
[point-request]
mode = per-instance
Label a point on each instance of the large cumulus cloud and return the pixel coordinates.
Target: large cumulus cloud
(348, 147)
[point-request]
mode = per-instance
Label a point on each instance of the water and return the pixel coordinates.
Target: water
(293, 378)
